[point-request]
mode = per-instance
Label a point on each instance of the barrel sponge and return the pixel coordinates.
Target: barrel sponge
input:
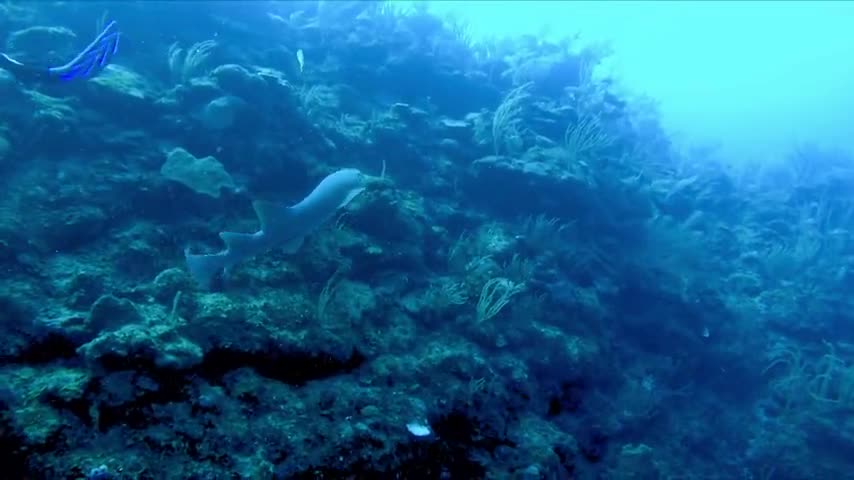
(203, 175)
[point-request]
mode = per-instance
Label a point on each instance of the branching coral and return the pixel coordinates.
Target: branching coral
(833, 381)
(542, 233)
(829, 380)
(585, 138)
(445, 293)
(506, 134)
(494, 296)
(327, 294)
(185, 64)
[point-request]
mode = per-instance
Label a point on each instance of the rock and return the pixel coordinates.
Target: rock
(203, 175)
(169, 282)
(109, 313)
(238, 80)
(159, 344)
(220, 113)
(74, 227)
(121, 82)
(82, 289)
(537, 176)
(41, 43)
(29, 393)
(120, 90)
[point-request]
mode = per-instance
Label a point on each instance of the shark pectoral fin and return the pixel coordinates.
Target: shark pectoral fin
(238, 243)
(351, 195)
(292, 245)
(271, 215)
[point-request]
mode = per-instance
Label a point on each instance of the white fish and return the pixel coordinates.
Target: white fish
(419, 429)
(300, 59)
(281, 225)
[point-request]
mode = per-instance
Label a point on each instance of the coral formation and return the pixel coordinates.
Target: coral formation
(535, 283)
(202, 175)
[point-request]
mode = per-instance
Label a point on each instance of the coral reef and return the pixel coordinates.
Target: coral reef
(536, 285)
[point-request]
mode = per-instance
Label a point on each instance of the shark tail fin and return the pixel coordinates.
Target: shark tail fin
(203, 268)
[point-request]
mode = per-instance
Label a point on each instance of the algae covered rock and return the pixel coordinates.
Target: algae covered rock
(639, 459)
(109, 312)
(540, 175)
(82, 288)
(158, 344)
(124, 82)
(357, 300)
(202, 175)
(126, 335)
(74, 227)
(31, 393)
(238, 80)
(221, 112)
(40, 41)
(170, 282)
(122, 89)
(55, 113)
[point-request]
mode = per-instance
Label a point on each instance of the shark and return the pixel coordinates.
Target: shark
(281, 225)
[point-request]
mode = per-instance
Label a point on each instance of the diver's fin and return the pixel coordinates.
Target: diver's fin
(93, 58)
(350, 196)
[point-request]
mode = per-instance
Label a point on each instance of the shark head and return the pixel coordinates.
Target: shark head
(343, 185)
(349, 178)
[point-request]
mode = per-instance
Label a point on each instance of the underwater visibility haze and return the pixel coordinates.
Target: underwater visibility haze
(751, 78)
(371, 240)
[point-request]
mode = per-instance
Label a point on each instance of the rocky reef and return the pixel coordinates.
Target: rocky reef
(539, 285)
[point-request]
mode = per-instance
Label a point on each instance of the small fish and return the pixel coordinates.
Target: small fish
(276, 18)
(300, 59)
(419, 429)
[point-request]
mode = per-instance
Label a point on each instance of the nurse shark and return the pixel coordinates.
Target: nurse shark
(281, 225)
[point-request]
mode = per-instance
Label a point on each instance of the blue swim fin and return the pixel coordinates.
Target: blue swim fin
(94, 58)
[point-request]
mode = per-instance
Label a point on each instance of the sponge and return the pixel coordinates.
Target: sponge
(203, 175)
